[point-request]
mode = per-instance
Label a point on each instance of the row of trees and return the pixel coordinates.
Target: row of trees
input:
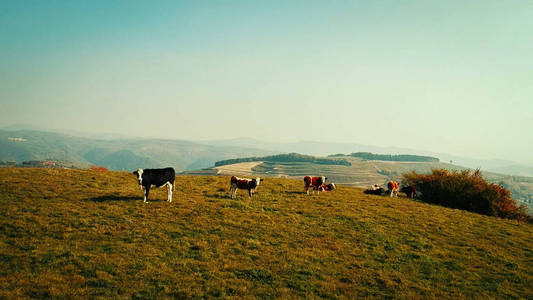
(466, 190)
(390, 157)
(291, 157)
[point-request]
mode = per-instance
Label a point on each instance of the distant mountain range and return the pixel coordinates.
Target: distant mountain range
(116, 154)
(122, 152)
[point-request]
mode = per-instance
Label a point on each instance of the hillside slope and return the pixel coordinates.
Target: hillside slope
(75, 233)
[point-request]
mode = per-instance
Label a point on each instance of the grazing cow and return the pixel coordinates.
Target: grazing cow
(393, 188)
(409, 190)
(156, 178)
(375, 191)
(314, 182)
(243, 184)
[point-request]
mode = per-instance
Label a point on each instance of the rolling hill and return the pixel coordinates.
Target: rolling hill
(87, 234)
(116, 154)
(328, 148)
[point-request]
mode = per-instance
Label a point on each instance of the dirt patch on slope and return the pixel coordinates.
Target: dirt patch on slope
(244, 168)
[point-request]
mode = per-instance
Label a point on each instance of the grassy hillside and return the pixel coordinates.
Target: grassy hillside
(73, 233)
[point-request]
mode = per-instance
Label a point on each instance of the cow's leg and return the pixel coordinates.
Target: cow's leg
(233, 192)
(250, 192)
(307, 190)
(146, 192)
(170, 186)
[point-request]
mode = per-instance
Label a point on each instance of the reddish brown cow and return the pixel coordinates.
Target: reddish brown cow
(327, 187)
(409, 190)
(243, 184)
(314, 182)
(393, 188)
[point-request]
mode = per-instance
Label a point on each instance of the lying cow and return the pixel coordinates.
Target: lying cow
(393, 187)
(314, 182)
(409, 190)
(327, 187)
(375, 191)
(149, 178)
(243, 184)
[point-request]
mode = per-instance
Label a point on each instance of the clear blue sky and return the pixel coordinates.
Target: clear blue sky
(445, 76)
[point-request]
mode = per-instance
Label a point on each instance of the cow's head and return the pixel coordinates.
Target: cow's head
(258, 180)
(139, 174)
(332, 186)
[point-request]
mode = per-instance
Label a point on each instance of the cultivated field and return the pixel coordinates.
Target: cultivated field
(72, 233)
(239, 169)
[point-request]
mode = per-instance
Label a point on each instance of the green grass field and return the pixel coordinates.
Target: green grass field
(72, 233)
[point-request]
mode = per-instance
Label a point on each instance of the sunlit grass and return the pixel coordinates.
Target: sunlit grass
(71, 233)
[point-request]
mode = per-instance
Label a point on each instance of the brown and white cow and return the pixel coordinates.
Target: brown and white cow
(327, 187)
(243, 184)
(393, 187)
(314, 182)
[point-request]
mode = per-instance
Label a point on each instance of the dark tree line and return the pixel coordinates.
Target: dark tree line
(291, 157)
(390, 157)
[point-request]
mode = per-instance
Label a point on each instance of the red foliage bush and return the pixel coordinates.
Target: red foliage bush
(465, 190)
(98, 168)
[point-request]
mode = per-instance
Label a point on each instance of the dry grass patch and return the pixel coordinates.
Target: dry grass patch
(69, 233)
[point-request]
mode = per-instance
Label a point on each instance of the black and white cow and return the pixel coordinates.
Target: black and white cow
(149, 178)
(375, 191)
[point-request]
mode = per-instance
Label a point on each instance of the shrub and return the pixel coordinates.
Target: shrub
(98, 168)
(465, 190)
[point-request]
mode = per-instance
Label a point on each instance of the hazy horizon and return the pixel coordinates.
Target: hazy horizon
(450, 77)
